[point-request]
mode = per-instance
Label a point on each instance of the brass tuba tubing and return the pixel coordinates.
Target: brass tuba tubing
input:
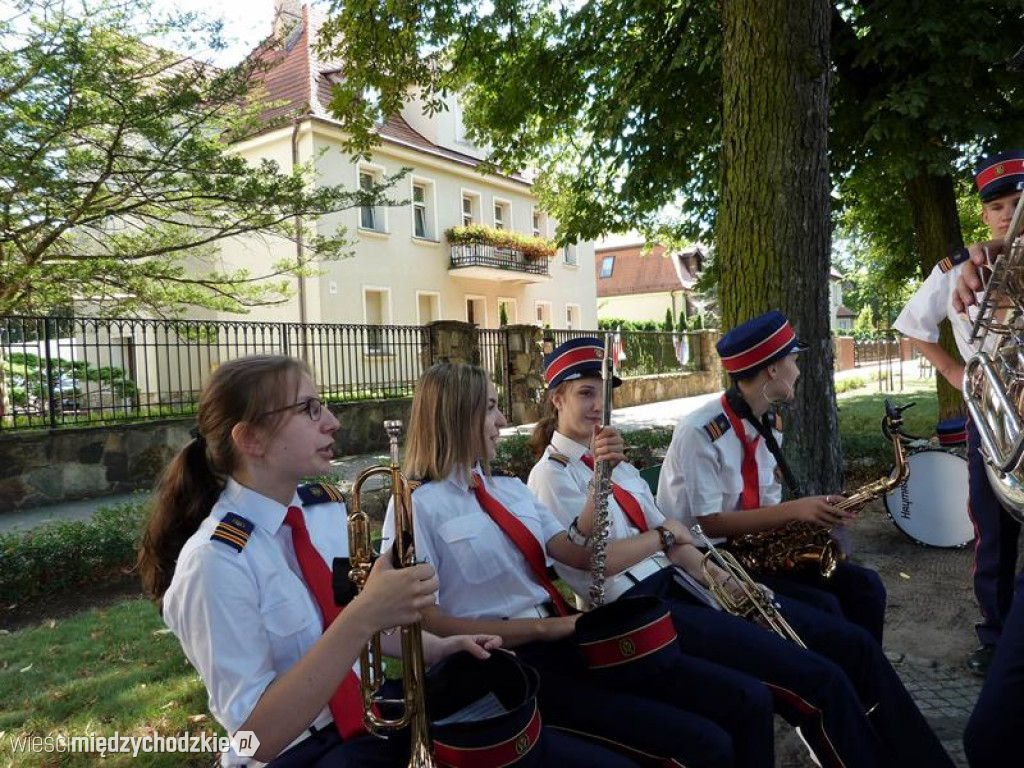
(361, 555)
(1004, 461)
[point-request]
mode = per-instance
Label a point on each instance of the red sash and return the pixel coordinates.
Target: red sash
(347, 702)
(625, 500)
(525, 541)
(751, 496)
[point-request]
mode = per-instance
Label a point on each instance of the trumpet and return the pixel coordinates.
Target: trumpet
(752, 602)
(361, 555)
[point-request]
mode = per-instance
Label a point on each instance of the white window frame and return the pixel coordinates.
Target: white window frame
(465, 308)
(573, 309)
(429, 206)
(601, 275)
(570, 255)
(541, 230)
(500, 202)
(379, 211)
(512, 309)
(540, 321)
(381, 347)
(435, 297)
(476, 201)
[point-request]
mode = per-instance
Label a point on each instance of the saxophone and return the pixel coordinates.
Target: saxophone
(800, 544)
(602, 488)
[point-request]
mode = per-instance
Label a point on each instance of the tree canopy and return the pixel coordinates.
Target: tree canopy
(116, 175)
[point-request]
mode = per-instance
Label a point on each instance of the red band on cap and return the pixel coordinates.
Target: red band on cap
(572, 357)
(630, 646)
(953, 438)
(507, 752)
(998, 170)
(761, 351)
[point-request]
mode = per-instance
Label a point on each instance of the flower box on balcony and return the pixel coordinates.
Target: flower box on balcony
(532, 248)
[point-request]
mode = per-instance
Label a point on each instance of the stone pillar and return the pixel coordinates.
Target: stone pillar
(709, 360)
(525, 373)
(452, 341)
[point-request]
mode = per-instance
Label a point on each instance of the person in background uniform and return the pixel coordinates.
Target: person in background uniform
(649, 554)
(492, 544)
(237, 559)
(720, 470)
(996, 532)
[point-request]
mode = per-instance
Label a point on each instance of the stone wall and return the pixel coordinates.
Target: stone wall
(641, 390)
(51, 466)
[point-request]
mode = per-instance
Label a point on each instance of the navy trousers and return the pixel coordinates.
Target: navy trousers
(824, 690)
(656, 723)
(995, 545)
(992, 737)
(853, 591)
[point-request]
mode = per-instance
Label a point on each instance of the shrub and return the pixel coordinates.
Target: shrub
(532, 248)
(62, 554)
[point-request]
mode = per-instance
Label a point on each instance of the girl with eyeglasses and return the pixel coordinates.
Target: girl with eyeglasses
(236, 556)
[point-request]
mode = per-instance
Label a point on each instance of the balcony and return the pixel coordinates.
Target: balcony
(490, 262)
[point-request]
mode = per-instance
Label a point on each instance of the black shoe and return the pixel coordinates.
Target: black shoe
(980, 658)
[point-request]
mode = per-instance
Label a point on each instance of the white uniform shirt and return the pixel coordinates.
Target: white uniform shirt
(563, 489)
(483, 574)
(702, 476)
(930, 305)
(244, 618)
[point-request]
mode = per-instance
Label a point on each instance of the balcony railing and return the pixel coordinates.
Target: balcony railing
(508, 259)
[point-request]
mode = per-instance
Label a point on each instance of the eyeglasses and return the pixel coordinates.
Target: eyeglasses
(313, 407)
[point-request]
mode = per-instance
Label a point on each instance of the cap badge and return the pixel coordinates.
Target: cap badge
(1000, 169)
(626, 647)
(523, 744)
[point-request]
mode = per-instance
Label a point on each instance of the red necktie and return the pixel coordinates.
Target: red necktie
(347, 702)
(751, 497)
(524, 540)
(625, 500)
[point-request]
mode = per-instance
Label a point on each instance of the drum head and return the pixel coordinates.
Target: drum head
(931, 505)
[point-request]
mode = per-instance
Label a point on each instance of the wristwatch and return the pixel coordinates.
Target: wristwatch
(668, 539)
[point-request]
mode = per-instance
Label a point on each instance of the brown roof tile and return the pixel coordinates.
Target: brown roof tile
(634, 272)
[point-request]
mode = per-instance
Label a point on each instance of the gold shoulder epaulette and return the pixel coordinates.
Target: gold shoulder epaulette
(318, 493)
(233, 530)
(560, 458)
(717, 427)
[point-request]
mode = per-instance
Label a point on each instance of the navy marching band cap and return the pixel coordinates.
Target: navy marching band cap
(757, 343)
(575, 359)
(632, 636)
(999, 175)
(952, 431)
(510, 734)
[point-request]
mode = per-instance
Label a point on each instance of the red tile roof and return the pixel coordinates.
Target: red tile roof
(297, 83)
(635, 272)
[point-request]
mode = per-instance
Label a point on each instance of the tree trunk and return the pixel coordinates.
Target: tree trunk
(773, 227)
(937, 233)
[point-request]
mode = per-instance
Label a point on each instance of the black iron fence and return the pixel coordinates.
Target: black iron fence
(81, 371)
(644, 353)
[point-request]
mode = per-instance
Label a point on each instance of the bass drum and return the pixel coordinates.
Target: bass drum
(931, 504)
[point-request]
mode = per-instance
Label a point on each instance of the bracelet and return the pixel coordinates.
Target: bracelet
(576, 537)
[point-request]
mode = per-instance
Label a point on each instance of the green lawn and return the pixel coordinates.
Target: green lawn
(103, 671)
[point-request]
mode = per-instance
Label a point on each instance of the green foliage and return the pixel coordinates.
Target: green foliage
(864, 325)
(59, 555)
(502, 315)
(118, 180)
(532, 248)
(667, 325)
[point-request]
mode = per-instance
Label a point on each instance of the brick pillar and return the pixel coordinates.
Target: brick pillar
(843, 353)
(452, 341)
(525, 373)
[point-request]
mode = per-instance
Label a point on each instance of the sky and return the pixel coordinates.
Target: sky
(246, 22)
